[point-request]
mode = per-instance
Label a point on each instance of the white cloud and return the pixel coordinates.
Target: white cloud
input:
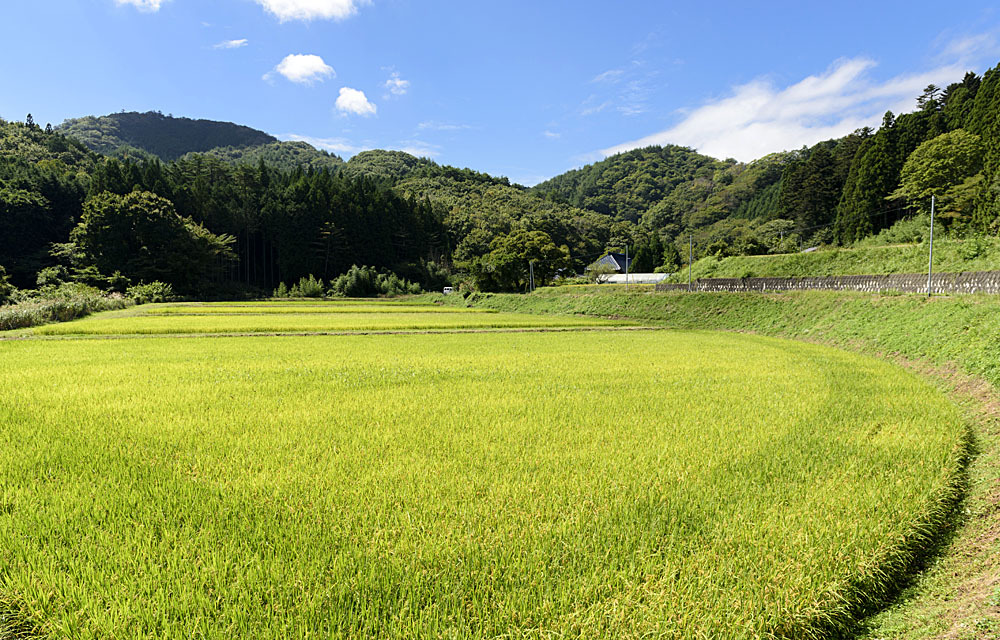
(551, 135)
(352, 101)
(970, 49)
(420, 150)
(758, 118)
(150, 6)
(231, 44)
(591, 107)
(612, 75)
(303, 69)
(345, 147)
(334, 145)
(285, 10)
(442, 126)
(624, 89)
(528, 179)
(396, 85)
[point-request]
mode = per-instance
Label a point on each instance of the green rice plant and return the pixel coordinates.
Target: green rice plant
(588, 484)
(199, 309)
(232, 323)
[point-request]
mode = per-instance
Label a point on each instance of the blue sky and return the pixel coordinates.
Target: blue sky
(521, 89)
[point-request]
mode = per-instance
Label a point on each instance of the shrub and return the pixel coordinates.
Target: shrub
(6, 288)
(367, 282)
(58, 304)
(307, 288)
(152, 292)
(52, 276)
(358, 282)
(972, 248)
(310, 287)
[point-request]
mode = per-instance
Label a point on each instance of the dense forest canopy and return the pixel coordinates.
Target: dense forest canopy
(255, 212)
(279, 155)
(165, 137)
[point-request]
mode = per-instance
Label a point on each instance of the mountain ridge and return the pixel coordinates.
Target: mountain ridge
(163, 136)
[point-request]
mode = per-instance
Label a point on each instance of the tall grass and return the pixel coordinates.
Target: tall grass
(35, 312)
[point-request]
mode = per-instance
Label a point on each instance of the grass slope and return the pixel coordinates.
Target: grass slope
(949, 256)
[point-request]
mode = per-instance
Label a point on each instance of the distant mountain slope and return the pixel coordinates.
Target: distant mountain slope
(279, 155)
(167, 137)
(628, 184)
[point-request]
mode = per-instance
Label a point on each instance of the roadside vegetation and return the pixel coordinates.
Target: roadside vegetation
(55, 304)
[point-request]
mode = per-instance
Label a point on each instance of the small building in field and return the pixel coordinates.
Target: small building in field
(616, 262)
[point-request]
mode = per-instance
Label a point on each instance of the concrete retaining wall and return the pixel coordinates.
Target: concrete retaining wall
(968, 282)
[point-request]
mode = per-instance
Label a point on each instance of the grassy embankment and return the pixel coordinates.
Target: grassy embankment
(950, 256)
(594, 484)
(950, 337)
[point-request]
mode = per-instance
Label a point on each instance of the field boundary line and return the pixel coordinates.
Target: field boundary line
(307, 334)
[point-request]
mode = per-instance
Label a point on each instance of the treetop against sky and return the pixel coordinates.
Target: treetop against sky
(522, 89)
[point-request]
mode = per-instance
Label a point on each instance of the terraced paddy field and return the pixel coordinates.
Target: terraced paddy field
(315, 317)
(456, 485)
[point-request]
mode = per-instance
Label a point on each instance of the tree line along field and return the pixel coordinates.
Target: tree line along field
(457, 485)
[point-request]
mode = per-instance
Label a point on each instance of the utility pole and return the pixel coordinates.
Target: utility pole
(690, 257)
(930, 260)
(626, 268)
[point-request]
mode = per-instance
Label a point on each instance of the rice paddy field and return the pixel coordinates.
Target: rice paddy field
(304, 317)
(450, 478)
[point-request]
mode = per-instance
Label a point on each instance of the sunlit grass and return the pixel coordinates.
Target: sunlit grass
(609, 484)
(315, 308)
(152, 320)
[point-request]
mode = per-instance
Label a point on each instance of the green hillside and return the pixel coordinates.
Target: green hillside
(278, 155)
(628, 184)
(951, 255)
(835, 192)
(166, 137)
(385, 165)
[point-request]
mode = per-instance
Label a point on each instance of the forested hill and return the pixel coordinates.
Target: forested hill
(264, 212)
(628, 184)
(837, 191)
(165, 137)
(277, 155)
